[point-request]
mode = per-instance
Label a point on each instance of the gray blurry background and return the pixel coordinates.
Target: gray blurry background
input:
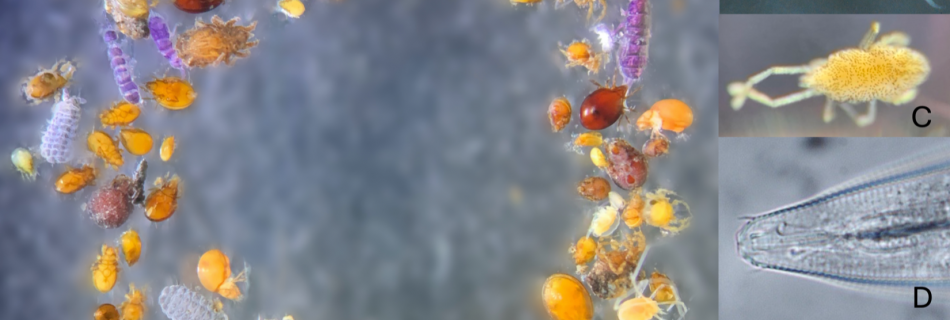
(831, 6)
(752, 43)
(765, 173)
(362, 160)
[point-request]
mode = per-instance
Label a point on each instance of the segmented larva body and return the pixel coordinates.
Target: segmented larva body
(56, 145)
(121, 65)
(162, 37)
(634, 37)
(180, 303)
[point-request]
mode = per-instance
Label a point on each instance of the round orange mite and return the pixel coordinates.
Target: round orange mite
(566, 298)
(214, 268)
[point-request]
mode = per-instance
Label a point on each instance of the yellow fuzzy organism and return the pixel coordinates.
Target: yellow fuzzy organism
(23, 161)
(579, 53)
(885, 70)
(661, 212)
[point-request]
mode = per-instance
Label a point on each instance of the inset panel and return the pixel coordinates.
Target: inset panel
(833, 6)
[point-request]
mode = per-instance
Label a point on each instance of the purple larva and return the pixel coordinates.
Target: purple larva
(162, 38)
(634, 35)
(57, 140)
(120, 63)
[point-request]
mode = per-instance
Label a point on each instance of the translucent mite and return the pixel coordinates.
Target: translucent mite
(136, 141)
(120, 114)
(23, 161)
(130, 17)
(291, 8)
(173, 93)
(75, 179)
(209, 44)
(162, 201)
(661, 212)
(105, 270)
(57, 142)
(885, 70)
(579, 53)
(106, 311)
(178, 302)
(566, 298)
(605, 221)
(559, 113)
(214, 272)
(167, 148)
(46, 83)
(121, 64)
(131, 246)
(656, 146)
(589, 4)
(133, 308)
(104, 147)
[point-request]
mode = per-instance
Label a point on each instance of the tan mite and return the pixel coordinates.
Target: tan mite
(47, 83)
(885, 70)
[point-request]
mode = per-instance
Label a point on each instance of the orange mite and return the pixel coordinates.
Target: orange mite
(633, 213)
(133, 308)
(603, 107)
(167, 149)
(106, 311)
(209, 44)
(103, 146)
(214, 272)
(559, 113)
(662, 287)
(45, 83)
(75, 179)
(584, 251)
(136, 141)
(610, 276)
(594, 188)
(131, 246)
(163, 200)
(667, 114)
(106, 269)
(579, 53)
(121, 114)
(173, 93)
(566, 298)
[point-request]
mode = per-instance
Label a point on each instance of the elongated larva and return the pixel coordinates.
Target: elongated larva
(120, 63)
(178, 302)
(634, 37)
(56, 145)
(162, 38)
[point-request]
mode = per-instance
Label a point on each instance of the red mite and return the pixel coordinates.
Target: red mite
(603, 107)
(626, 165)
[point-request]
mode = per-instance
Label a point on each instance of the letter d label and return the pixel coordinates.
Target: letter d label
(929, 297)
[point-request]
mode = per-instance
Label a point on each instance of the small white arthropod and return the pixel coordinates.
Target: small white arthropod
(605, 37)
(56, 145)
(180, 303)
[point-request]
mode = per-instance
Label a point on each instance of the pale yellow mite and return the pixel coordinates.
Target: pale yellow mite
(291, 8)
(885, 70)
(23, 161)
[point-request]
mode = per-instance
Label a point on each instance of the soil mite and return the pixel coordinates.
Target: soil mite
(104, 147)
(131, 246)
(640, 307)
(214, 272)
(587, 4)
(133, 308)
(111, 205)
(208, 44)
(23, 161)
(197, 6)
(633, 213)
(559, 113)
(168, 148)
(75, 179)
(656, 146)
(579, 53)
(885, 70)
(586, 139)
(136, 141)
(56, 145)
(605, 221)
(662, 288)
(661, 212)
(291, 8)
(584, 251)
(616, 200)
(667, 114)
(162, 201)
(626, 165)
(173, 93)
(106, 311)
(513, 2)
(603, 107)
(598, 158)
(178, 302)
(106, 269)
(611, 276)
(131, 17)
(566, 298)
(593, 188)
(46, 83)
(120, 114)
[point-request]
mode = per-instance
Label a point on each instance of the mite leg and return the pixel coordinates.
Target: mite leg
(895, 38)
(864, 119)
(603, 10)
(740, 91)
(829, 113)
(869, 37)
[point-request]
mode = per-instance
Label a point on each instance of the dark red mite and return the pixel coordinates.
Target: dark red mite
(603, 107)
(197, 6)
